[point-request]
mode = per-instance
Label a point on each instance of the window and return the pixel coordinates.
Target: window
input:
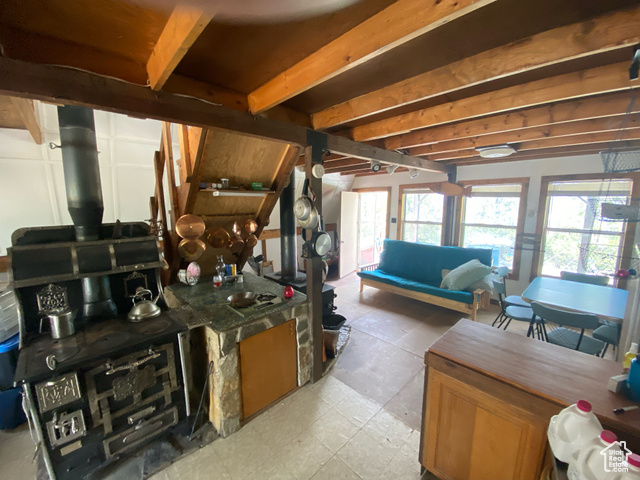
(575, 237)
(492, 216)
(422, 214)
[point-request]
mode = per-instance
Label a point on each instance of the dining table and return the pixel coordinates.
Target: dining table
(608, 303)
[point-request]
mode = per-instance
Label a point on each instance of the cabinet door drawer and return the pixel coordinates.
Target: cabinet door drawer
(268, 366)
(473, 435)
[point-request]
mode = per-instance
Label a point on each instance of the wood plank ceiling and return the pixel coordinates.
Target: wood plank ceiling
(433, 79)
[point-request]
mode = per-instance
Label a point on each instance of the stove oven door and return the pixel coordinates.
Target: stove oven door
(134, 398)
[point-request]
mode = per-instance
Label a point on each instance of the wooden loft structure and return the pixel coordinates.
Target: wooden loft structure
(20, 113)
(432, 80)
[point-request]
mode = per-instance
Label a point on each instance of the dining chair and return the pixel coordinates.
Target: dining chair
(570, 329)
(602, 280)
(504, 299)
(517, 313)
(608, 332)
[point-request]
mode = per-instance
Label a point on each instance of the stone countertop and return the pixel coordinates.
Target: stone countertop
(212, 302)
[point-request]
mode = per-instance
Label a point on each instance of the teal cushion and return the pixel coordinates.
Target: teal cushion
(465, 275)
(379, 276)
(424, 263)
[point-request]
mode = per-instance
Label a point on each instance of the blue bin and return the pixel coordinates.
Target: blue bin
(8, 360)
(11, 413)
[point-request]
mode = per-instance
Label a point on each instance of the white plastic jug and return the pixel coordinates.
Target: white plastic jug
(589, 462)
(571, 429)
(633, 470)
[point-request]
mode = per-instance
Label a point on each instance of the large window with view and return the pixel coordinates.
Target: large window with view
(576, 237)
(491, 216)
(422, 214)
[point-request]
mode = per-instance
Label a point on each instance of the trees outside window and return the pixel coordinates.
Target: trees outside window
(576, 238)
(422, 215)
(492, 216)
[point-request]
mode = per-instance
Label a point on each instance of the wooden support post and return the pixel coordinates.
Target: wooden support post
(313, 155)
(449, 213)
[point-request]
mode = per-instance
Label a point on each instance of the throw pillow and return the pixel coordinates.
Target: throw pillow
(465, 275)
(485, 283)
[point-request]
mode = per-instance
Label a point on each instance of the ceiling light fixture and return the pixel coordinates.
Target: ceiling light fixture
(413, 173)
(375, 166)
(496, 151)
(391, 169)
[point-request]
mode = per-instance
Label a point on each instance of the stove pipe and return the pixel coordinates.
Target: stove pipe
(288, 252)
(84, 196)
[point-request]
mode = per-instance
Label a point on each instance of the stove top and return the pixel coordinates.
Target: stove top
(100, 340)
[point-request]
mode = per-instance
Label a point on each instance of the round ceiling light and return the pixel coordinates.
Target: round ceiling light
(496, 151)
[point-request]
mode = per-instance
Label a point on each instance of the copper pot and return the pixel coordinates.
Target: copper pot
(237, 244)
(190, 227)
(191, 250)
(217, 237)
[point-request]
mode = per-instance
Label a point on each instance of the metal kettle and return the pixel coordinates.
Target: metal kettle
(143, 308)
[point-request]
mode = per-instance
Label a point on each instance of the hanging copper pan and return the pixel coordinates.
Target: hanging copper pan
(191, 250)
(250, 226)
(217, 237)
(190, 227)
(237, 244)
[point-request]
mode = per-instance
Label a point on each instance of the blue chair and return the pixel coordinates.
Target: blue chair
(608, 332)
(572, 337)
(503, 299)
(601, 280)
(516, 312)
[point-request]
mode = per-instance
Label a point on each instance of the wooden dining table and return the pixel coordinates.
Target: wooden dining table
(608, 303)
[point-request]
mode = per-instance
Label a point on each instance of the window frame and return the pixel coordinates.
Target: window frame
(432, 187)
(522, 211)
(628, 233)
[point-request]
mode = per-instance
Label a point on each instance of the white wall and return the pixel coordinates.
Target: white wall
(32, 191)
(534, 169)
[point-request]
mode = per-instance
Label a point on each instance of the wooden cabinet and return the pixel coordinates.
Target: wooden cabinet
(489, 395)
(268, 366)
(477, 436)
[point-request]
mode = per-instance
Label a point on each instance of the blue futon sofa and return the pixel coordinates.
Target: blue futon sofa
(415, 270)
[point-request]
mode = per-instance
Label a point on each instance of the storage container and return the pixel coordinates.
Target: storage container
(8, 359)
(11, 413)
(589, 463)
(571, 429)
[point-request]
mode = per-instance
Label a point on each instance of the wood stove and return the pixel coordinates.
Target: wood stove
(101, 386)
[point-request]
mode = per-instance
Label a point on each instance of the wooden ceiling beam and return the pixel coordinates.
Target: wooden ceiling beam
(394, 26)
(556, 113)
(605, 79)
(64, 85)
(594, 125)
(352, 168)
(184, 26)
(326, 158)
(367, 173)
(610, 32)
(569, 141)
(27, 111)
(547, 153)
(230, 98)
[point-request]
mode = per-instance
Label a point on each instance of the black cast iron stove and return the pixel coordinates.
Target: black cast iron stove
(113, 385)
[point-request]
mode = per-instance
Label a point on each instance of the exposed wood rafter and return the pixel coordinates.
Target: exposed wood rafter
(595, 125)
(609, 32)
(182, 29)
(397, 24)
(608, 78)
(556, 113)
(26, 111)
(58, 84)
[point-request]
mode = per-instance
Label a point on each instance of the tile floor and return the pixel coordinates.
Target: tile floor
(362, 421)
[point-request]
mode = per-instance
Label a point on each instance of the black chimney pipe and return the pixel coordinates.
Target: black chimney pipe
(288, 252)
(84, 196)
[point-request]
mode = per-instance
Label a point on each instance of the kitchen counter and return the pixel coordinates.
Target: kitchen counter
(216, 312)
(230, 335)
(490, 391)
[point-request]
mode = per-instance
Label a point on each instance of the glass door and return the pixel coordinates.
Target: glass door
(372, 225)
